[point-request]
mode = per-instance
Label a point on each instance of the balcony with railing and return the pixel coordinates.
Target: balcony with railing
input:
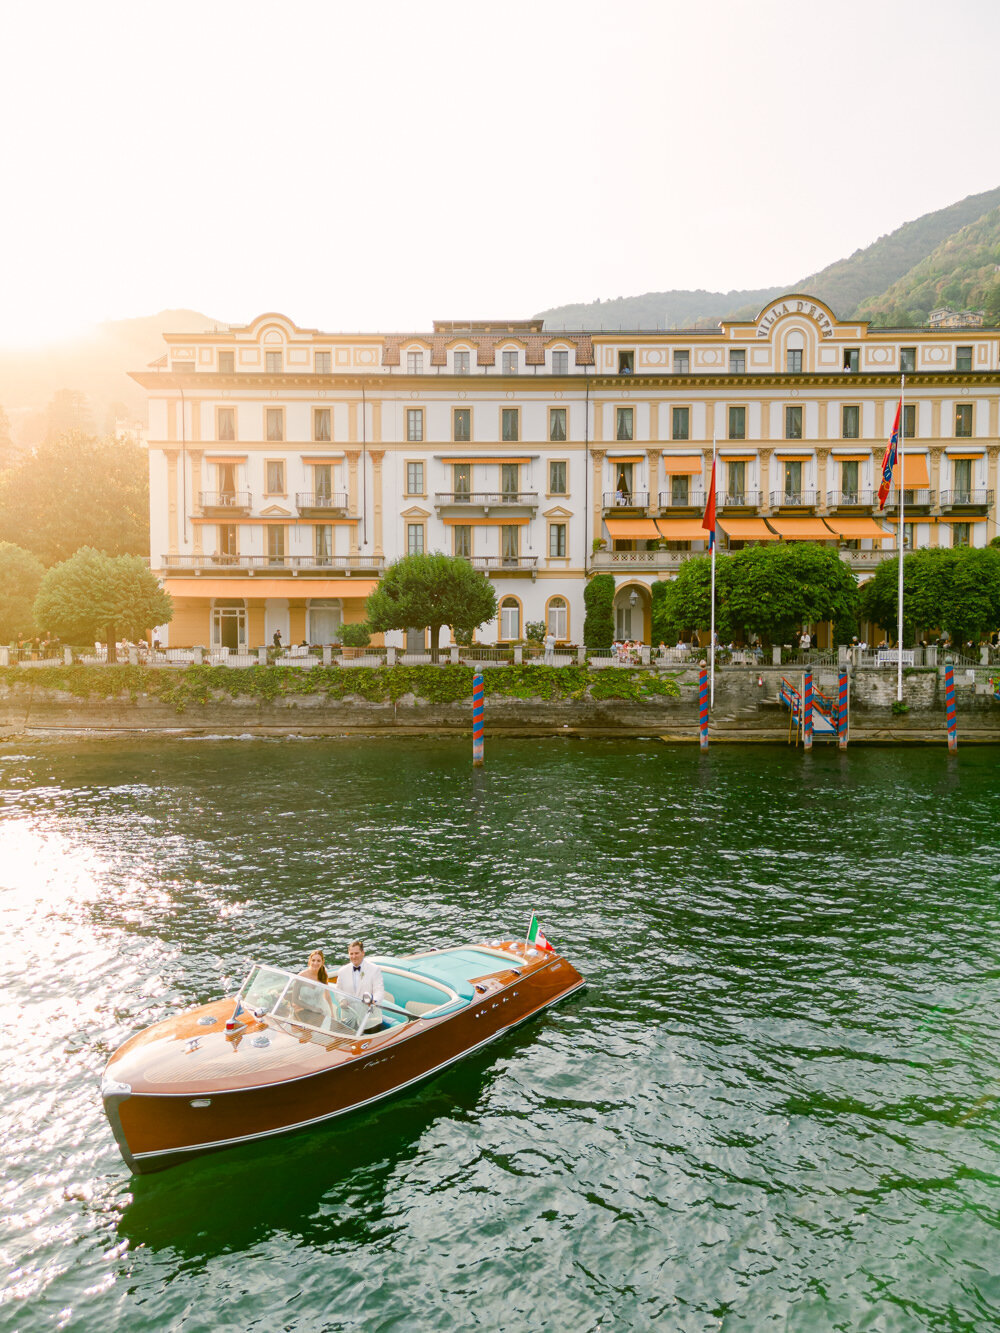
(851, 499)
(793, 499)
(291, 566)
(504, 564)
(455, 504)
(228, 503)
(690, 500)
(966, 499)
(317, 504)
(738, 499)
(624, 501)
(919, 500)
(624, 562)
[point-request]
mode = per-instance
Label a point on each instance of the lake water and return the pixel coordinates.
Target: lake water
(775, 1106)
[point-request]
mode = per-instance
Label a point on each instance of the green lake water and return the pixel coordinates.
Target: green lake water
(774, 1107)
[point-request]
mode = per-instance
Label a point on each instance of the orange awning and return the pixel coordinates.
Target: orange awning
(917, 477)
(801, 529)
(682, 529)
(856, 527)
(244, 587)
(682, 465)
(497, 522)
(631, 529)
(747, 530)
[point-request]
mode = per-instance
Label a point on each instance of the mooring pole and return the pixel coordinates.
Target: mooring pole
(477, 720)
(703, 705)
(807, 709)
(949, 704)
(842, 709)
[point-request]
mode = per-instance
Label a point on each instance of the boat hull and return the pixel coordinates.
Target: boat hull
(156, 1130)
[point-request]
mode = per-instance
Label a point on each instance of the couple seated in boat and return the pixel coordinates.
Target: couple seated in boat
(358, 978)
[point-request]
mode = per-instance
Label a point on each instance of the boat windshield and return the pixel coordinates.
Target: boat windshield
(309, 1004)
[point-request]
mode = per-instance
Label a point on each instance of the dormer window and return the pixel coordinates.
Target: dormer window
(560, 363)
(509, 363)
(414, 363)
(461, 363)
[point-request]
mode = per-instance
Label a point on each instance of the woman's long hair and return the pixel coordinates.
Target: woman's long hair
(322, 974)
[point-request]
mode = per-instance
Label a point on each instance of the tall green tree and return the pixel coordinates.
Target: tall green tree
(599, 617)
(20, 575)
(78, 491)
(429, 591)
(771, 590)
(94, 596)
(950, 588)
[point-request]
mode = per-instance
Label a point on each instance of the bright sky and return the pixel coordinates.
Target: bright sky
(378, 165)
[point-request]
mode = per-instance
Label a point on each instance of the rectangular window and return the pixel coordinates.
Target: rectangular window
(682, 363)
(510, 424)
(793, 480)
(851, 358)
(510, 543)
(908, 360)
(850, 424)
(963, 420)
(227, 363)
(414, 363)
(324, 363)
(509, 480)
(908, 536)
(793, 423)
(736, 481)
(680, 422)
(414, 424)
(461, 423)
(414, 539)
(680, 490)
(321, 425)
(461, 363)
(272, 363)
(557, 539)
(227, 539)
(909, 421)
(462, 537)
(560, 363)
(275, 477)
(414, 479)
(623, 423)
(462, 479)
(225, 423)
(323, 482)
(737, 423)
(793, 361)
(275, 544)
(274, 423)
(510, 620)
(323, 543)
(509, 363)
(963, 358)
(962, 477)
(626, 363)
(557, 423)
(961, 534)
(737, 362)
(557, 477)
(849, 479)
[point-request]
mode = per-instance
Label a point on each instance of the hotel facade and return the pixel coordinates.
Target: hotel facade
(288, 467)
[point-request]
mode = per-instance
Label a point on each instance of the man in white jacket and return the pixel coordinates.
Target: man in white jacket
(363, 979)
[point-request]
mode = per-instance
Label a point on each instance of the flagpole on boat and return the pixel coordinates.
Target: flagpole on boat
(900, 544)
(711, 675)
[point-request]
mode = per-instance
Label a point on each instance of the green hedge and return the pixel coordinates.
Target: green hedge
(448, 684)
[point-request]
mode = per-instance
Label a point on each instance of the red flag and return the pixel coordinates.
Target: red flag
(889, 458)
(708, 522)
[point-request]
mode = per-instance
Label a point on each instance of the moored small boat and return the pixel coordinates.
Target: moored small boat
(290, 1052)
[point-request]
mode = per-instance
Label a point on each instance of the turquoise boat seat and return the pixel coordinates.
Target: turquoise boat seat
(452, 967)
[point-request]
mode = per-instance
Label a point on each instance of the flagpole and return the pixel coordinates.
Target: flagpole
(900, 543)
(711, 676)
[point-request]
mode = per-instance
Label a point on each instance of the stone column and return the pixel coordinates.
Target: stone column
(597, 459)
(653, 467)
(822, 457)
(936, 456)
(352, 493)
(376, 456)
(172, 510)
(992, 479)
(764, 467)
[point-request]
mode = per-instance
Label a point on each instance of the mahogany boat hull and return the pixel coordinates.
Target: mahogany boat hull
(157, 1127)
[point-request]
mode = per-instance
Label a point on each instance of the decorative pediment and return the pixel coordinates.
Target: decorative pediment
(557, 512)
(415, 512)
(276, 511)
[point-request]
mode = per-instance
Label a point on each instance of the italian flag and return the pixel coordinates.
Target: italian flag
(535, 936)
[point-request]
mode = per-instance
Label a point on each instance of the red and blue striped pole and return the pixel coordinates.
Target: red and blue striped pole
(807, 710)
(949, 704)
(842, 709)
(703, 705)
(477, 720)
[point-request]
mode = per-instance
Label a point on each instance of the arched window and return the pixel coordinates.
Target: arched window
(510, 619)
(324, 620)
(557, 617)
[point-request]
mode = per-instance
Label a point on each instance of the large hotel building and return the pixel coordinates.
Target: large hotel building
(288, 467)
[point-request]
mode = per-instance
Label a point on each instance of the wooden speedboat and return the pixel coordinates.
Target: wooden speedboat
(290, 1053)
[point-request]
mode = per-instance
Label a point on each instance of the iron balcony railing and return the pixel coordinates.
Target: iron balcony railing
(916, 499)
(780, 499)
(239, 563)
(486, 498)
(488, 563)
(949, 499)
(693, 500)
(851, 499)
(626, 499)
(224, 499)
(738, 499)
(319, 500)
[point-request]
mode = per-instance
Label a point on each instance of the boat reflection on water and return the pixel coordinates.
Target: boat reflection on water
(293, 1053)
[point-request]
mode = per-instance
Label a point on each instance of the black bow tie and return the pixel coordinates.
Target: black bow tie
(357, 967)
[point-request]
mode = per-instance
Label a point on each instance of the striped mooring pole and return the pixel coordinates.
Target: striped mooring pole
(807, 710)
(703, 705)
(949, 704)
(477, 720)
(842, 709)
